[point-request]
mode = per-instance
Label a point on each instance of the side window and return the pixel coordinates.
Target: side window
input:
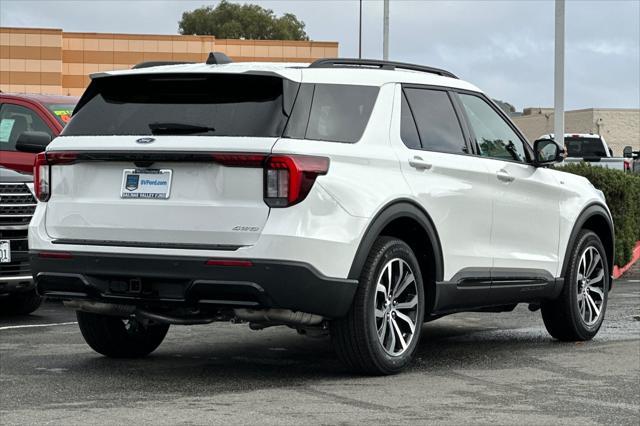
(340, 113)
(408, 130)
(494, 137)
(16, 119)
(437, 122)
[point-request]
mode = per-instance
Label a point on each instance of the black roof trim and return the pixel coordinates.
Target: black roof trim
(375, 63)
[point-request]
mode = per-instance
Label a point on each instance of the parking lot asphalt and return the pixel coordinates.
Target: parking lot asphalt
(472, 368)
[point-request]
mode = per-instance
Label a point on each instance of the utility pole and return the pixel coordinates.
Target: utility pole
(558, 87)
(360, 34)
(385, 32)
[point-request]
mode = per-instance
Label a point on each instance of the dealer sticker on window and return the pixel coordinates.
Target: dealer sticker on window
(146, 183)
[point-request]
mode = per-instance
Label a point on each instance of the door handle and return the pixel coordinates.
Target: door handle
(419, 163)
(504, 176)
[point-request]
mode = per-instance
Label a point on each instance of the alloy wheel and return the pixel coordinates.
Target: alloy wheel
(396, 307)
(590, 278)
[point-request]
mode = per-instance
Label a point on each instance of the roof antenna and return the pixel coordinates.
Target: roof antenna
(218, 58)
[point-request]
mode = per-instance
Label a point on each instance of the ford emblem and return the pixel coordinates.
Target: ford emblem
(145, 140)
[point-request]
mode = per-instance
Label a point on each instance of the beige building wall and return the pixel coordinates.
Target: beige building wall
(34, 60)
(31, 60)
(619, 127)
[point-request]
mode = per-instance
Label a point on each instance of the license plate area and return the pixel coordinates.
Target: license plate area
(146, 183)
(5, 251)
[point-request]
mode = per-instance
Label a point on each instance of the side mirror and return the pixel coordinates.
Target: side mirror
(627, 152)
(33, 141)
(547, 151)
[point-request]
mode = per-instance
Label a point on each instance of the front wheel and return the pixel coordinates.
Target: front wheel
(21, 303)
(120, 337)
(380, 333)
(578, 312)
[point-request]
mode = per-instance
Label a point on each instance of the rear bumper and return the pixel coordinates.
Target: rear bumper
(15, 284)
(174, 280)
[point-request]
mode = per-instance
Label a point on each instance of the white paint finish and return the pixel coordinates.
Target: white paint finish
(207, 201)
(456, 194)
(526, 217)
(300, 72)
(481, 222)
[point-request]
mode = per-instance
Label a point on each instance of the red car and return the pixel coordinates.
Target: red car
(30, 118)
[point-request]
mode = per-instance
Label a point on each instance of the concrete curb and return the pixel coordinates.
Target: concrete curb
(619, 270)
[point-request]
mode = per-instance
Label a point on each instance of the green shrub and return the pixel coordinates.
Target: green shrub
(622, 191)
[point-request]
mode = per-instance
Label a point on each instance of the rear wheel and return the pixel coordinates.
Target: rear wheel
(120, 337)
(380, 333)
(578, 312)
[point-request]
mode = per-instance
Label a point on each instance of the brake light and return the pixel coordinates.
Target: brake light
(239, 160)
(289, 178)
(42, 171)
(41, 177)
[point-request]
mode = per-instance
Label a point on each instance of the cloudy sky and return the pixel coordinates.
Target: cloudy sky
(505, 47)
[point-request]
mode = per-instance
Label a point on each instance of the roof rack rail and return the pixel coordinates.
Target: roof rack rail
(149, 64)
(375, 63)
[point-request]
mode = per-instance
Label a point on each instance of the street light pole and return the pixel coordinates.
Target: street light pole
(360, 34)
(558, 104)
(385, 32)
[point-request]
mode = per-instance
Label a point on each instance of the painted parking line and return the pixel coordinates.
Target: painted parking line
(11, 327)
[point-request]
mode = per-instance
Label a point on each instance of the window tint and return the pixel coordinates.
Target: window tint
(584, 147)
(340, 113)
(494, 137)
(437, 122)
(408, 130)
(16, 119)
(181, 104)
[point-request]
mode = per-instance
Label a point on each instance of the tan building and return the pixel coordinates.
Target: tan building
(51, 61)
(619, 127)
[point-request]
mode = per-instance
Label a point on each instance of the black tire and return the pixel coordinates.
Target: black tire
(355, 337)
(563, 317)
(21, 303)
(118, 337)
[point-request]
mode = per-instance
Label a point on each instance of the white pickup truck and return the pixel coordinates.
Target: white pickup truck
(592, 149)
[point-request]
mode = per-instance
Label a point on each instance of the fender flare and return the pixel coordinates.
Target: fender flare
(403, 208)
(591, 210)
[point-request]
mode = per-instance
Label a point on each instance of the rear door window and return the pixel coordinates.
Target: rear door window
(408, 129)
(438, 125)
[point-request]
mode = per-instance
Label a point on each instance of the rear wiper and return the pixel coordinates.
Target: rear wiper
(178, 128)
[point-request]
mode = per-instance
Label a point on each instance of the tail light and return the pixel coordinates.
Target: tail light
(42, 171)
(289, 178)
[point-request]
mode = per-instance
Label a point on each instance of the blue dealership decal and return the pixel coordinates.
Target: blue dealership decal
(132, 182)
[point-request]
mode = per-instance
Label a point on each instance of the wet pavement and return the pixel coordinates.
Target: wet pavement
(472, 368)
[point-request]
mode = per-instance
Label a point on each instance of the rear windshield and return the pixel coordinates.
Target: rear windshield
(222, 105)
(584, 147)
(213, 105)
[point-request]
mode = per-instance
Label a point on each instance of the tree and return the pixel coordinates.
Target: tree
(250, 21)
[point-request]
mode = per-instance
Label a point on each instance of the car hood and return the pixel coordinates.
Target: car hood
(11, 176)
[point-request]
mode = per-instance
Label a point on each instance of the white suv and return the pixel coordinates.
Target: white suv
(360, 198)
